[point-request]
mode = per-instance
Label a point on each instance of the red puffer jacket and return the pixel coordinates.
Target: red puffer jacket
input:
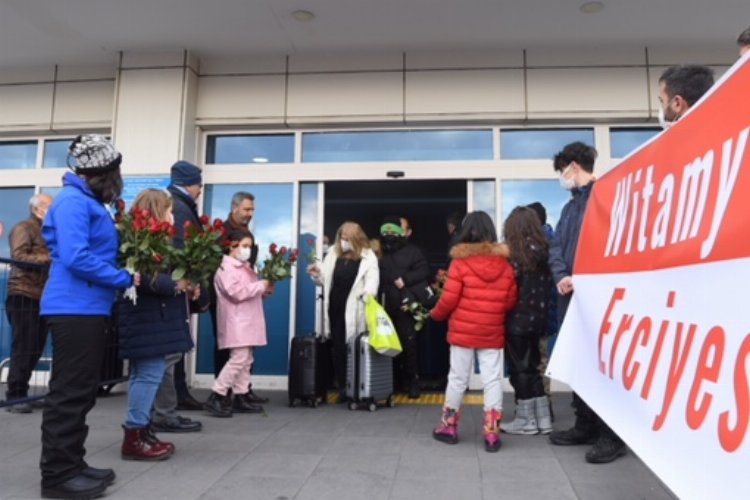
(480, 290)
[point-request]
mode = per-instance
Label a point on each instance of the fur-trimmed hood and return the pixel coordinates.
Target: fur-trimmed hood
(466, 250)
(482, 258)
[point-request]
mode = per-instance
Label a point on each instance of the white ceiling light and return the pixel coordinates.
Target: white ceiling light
(592, 7)
(260, 159)
(303, 16)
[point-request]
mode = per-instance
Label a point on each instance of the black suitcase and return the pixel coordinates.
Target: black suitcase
(309, 370)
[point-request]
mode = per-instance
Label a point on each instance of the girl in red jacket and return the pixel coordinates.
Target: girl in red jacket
(479, 291)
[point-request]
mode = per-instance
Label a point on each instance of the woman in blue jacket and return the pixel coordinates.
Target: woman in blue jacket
(77, 303)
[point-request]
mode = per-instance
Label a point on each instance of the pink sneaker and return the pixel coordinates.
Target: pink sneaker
(447, 429)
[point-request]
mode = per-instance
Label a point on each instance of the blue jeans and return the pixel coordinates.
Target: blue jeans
(145, 376)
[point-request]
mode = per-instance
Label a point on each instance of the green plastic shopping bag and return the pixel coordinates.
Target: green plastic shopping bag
(383, 337)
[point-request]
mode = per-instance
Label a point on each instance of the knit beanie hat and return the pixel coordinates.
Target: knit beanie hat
(184, 173)
(391, 225)
(94, 155)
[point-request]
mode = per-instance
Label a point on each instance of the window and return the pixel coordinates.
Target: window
(397, 145)
(624, 141)
(18, 154)
(245, 149)
(14, 209)
(56, 154)
(547, 192)
(526, 144)
(272, 223)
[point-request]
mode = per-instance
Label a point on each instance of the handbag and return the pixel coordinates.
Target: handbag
(382, 334)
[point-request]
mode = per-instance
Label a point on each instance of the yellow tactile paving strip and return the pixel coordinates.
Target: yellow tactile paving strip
(435, 399)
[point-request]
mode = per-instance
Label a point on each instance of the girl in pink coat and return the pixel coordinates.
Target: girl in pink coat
(241, 325)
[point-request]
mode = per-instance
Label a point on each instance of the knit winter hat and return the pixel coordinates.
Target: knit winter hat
(391, 225)
(184, 173)
(94, 154)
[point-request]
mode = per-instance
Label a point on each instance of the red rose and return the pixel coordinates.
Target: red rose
(158, 258)
(272, 249)
(187, 224)
(204, 219)
(218, 223)
(283, 251)
(120, 205)
(145, 213)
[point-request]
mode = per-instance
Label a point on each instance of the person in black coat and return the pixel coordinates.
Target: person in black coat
(403, 277)
(575, 163)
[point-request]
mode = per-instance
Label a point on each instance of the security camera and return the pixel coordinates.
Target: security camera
(395, 174)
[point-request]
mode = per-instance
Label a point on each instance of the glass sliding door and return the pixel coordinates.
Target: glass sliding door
(273, 223)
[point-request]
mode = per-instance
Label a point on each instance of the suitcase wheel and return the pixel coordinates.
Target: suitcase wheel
(372, 406)
(353, 406)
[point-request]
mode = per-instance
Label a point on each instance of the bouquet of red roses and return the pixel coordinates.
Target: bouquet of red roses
(202, 254)
(145, 242)
(278, 265)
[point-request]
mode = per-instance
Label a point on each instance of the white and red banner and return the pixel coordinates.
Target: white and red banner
(657, 337)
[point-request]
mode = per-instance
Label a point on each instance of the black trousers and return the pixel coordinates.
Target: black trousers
(78, 352)
(588, 421)
(29, 337)
(406, 366)
(522, 357)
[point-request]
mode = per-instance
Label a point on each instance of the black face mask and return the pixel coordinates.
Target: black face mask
(253, 255)
(391, 242)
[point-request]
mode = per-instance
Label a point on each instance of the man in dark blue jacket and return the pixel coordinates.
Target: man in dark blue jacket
(186, 186)
(575, 164)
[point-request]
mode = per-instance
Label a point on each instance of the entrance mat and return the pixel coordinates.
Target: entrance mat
(435, 399)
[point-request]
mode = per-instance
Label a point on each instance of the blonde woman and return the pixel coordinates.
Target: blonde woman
(349, 275)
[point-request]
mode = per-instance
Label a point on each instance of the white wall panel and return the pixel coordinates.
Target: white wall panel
(457, 59)
(668, 56)
(73, 73)
(345, 62)
(347, 97)
(589, 56)
(243, 66)
(25, 106)
(27, 75)
(256, 98)
(149, 118)
(83, 103)
(588, 93)
(466, 94)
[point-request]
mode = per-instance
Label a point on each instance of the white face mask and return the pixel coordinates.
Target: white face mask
(346, 246)
(244, 254)
(665, 124)
(567, 184)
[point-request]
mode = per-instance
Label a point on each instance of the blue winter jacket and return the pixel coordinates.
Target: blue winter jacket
(83, 243)
(562, 252)
(157, 324)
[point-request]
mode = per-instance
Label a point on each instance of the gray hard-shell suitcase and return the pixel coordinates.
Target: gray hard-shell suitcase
(369, 375)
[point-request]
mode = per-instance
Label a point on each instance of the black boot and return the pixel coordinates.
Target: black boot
(214, 406)
(80, 486)
(255, 398)
(243, 404)
(606, 449)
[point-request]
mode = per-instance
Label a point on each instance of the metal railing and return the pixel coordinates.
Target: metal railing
(112, 369)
